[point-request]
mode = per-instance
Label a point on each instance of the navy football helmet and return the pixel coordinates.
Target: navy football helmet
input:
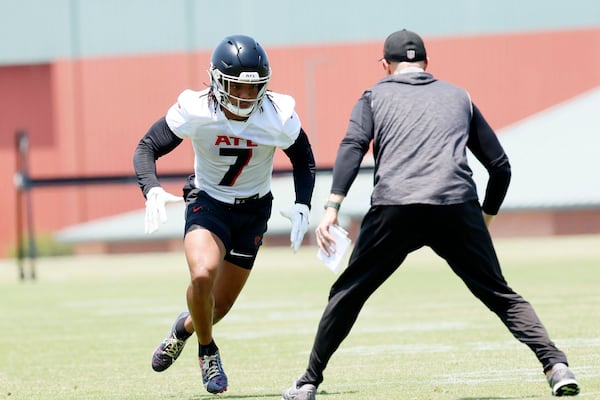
(239, 59)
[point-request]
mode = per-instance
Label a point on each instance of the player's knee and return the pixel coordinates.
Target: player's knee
(202, 277)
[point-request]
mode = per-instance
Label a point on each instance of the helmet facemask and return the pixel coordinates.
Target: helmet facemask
(221, 85)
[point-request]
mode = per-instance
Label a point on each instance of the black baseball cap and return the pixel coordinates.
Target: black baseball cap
(404, 45)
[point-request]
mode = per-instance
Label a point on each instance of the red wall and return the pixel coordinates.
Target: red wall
(85, 117)
(25, 102)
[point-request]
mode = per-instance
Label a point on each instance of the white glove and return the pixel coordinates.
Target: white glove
(155, 208)
(298, 214)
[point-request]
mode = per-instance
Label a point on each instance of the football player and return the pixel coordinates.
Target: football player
(234, 126)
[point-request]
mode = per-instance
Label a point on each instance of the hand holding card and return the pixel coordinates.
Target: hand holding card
(335, 260)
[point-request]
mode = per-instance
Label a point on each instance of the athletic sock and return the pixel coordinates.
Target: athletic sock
(180, 331)
(207, 349)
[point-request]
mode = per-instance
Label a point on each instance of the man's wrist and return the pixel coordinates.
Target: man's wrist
(332, 204)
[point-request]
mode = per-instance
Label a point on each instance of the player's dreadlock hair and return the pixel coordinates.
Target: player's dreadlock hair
(213, 103)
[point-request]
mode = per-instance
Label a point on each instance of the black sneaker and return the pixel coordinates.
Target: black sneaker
(562, 381)
(169, 349)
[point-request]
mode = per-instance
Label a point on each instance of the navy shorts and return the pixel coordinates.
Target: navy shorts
(239, 226)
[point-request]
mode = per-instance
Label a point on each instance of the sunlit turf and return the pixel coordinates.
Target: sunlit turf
(86, 328)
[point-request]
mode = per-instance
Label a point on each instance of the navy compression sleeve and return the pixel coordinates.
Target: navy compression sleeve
(303, 163)
(158, 141)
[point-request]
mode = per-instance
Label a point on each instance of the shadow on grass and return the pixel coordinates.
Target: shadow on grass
(492, 398)
(324, 394)
(224, 396)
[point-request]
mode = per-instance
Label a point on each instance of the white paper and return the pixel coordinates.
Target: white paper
(342, 245)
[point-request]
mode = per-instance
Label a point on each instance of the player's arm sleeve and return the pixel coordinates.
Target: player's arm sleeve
(158, 141)
(486, 147)
(303, 164)
(354, 146)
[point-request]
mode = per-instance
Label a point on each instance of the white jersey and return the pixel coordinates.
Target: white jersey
(234, 159)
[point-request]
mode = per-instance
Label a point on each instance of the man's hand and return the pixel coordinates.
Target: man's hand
(487, 218)
(156, 199)
(298, 214)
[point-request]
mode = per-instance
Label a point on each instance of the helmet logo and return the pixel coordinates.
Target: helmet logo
(249, 75)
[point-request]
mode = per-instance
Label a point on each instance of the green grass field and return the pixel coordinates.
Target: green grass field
(87, 327)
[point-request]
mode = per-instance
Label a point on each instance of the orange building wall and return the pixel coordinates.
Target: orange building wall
(85, 117)
(547, 223)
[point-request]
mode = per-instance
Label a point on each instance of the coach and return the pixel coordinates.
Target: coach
(423, 195)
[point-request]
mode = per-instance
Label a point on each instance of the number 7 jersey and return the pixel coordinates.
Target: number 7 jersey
(234, 159)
